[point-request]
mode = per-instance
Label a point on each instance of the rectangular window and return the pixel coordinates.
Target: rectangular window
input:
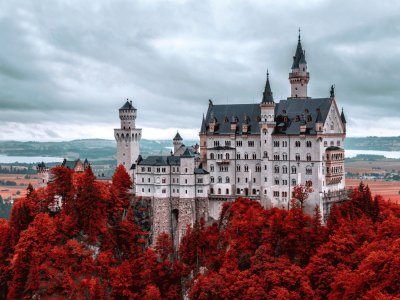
(251, 143)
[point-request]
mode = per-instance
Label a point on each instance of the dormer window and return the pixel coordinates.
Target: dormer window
(226, 120)
(297, 117)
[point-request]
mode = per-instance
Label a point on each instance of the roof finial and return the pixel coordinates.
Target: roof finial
(332, 91)
(267, 74)
(299, 33)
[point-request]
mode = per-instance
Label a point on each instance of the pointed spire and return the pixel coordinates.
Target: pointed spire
(178, 137)
(342, 117)
(203, 125)
(300, 56)
(267, 95)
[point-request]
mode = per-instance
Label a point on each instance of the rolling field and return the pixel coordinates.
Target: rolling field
(387, 189)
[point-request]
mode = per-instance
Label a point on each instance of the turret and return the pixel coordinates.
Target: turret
(127, 115)
(128, 138)
(299, 77)
(177, 141)
(267, 103)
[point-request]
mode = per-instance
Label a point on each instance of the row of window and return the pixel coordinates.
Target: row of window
(293, 170)
(297, 156)
(161, 170)
(332, 143)
(238, 191)
(174, 180)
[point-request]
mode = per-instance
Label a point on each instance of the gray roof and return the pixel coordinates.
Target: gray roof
(70, 164)
(200, 171)
(127, 106)
(290, 113)
(223, 113)
(267, 95)
(160, 160)
(299, 57)
(187, 153)
(178, 137)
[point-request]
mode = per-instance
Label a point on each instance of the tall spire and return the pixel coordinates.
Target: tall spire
(203, 126)
(299, 76)
(300, 55)
(342, 117)
(267, 95)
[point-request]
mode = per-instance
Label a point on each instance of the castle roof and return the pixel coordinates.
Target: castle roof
(127, 106)
(300, 56)
(289, 114)
(187, 153)
(178, 137)
(160, 160)
(244, 114)
(267, 95)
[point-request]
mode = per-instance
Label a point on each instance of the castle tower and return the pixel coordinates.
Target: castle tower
(177, 141)
(128, 138)
(267, 125)
(299, 77)
(43, 174)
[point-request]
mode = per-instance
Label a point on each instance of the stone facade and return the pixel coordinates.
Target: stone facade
(258, 151)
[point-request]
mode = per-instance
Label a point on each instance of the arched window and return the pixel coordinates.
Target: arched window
(211, 155)
(219, 191)
(309, 144)
(265, 154)
(212, 179)
(293, 181)
(276, 169)
(254, 192)
(227, 155)
(211, 191)
(238, 168)
(219, 179)
(227, 191)
(246, 156)
(246, 168)
(297, 156)
(297, 144)
(284, 156)
(227, 179)
(254, 156)
(284, 170)
(294, 171)
(238, 191)
(308, 157)
(308, 170)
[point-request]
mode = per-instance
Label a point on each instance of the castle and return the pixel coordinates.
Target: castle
(258, 151)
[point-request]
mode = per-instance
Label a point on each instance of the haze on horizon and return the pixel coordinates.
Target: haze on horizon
(67, 66)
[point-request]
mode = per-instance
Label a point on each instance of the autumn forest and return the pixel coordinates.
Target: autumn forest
(95, 246)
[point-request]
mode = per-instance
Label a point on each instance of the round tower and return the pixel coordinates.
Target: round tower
(177, 141)
(128, 138)
(43, 174)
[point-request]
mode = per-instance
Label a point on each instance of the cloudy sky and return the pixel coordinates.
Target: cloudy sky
(67, 66)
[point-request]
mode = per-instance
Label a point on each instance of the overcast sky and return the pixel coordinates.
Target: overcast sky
(67, 66)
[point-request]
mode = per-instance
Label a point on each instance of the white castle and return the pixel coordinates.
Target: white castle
(258, 151)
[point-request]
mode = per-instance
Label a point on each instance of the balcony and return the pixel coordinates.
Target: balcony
(223, 161)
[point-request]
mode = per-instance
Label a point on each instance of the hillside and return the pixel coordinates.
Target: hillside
(93, 149)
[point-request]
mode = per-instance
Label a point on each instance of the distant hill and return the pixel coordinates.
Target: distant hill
(93, 149)
(99, 149)
(373, 143)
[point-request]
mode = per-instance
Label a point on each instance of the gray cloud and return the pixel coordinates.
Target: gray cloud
(73, 64)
